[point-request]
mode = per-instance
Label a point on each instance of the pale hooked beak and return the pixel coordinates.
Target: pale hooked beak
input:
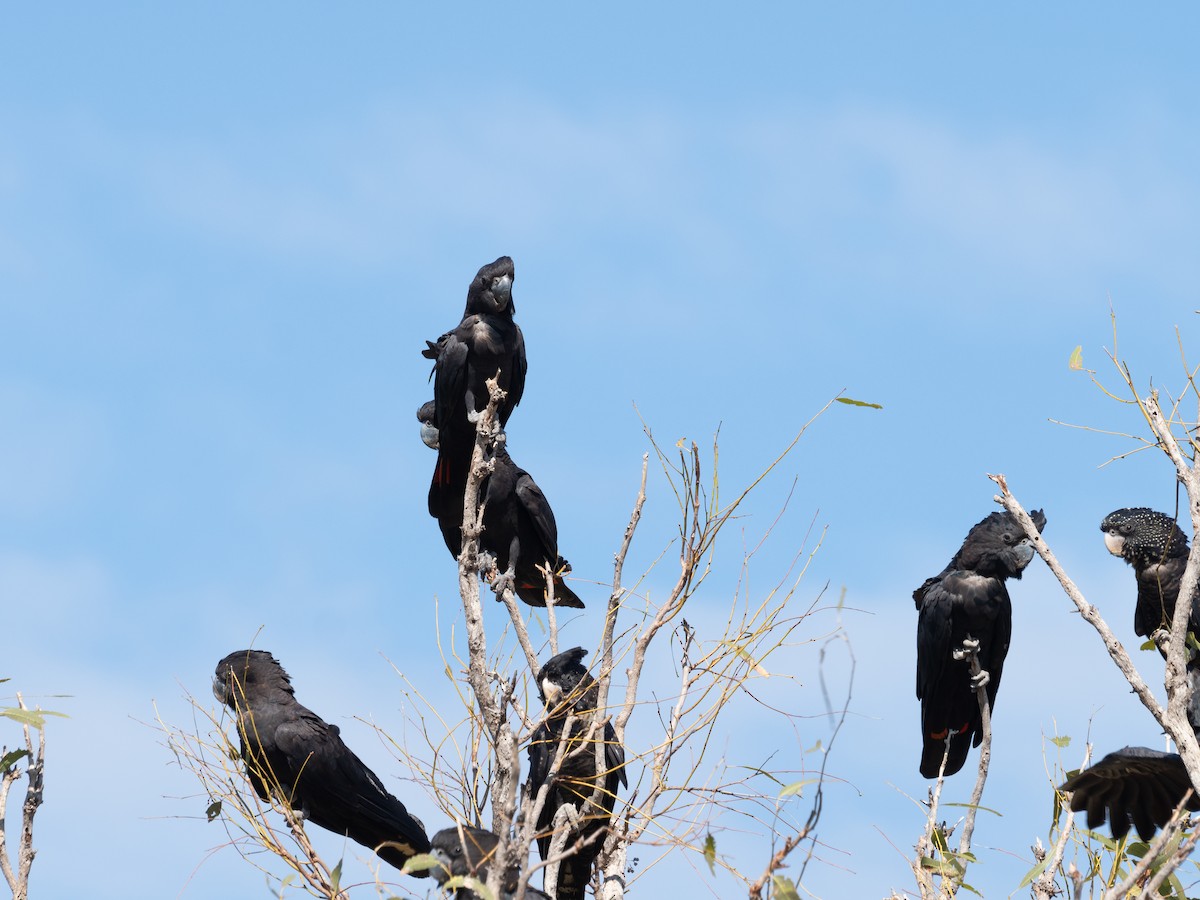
(1114, 542)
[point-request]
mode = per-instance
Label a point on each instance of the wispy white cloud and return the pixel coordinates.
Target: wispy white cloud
(385, 184)
(897, 191)
(913, 191)
(867, 193)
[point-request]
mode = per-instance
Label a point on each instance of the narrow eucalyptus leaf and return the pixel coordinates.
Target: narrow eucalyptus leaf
(850, 402)
(710, 852)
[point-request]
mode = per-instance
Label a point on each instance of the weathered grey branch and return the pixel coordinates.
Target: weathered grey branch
(1182, 852)
(468, 566)
(702, 520)
(563, 823)
(492, 705)
(18, 880)
(924, 846)
(1089, 613)
(777, 861)
(954, 865)
(662, 756)
(1044, 887)
(509, 599)
(690, 556)
(614, 855)
(985, 758)
(1175, 721)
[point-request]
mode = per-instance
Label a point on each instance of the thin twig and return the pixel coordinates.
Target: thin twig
(1089, 613)
(985, 757)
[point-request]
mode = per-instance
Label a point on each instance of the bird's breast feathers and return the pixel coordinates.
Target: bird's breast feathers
(972, 582)
(1156, 571)
(485, 336)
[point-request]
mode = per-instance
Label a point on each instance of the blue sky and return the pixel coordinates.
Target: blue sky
(226, 232)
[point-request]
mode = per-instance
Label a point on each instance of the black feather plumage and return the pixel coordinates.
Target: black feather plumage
(567, 690)
(487, 343)
(519, 529)
(1135, 785)
(1157, 549)
(967, 599)
(293, 754)
(1132, 786)
(465, 851)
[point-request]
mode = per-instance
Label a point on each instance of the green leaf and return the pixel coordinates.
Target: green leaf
(335, 878)
(815, 748)
(1149, 645)
(1061, 742)
(214, 810)
(1173, 885)
(946, 867)
(1076, 359)
(1103, 840)
(784, 888)
(796, 787)
(1036, 871)
(35, 718)
(467, 881)
(710, 852)
(1137, 849)
(850, 402)
(422, 862)
(10, 758)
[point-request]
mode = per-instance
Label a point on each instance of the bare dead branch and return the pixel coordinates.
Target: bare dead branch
(1043, 887)
(1089, 613)
(18, 880)
(985, 758)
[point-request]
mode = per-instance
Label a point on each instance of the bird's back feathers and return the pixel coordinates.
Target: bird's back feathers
(967, 599)
(291, 753)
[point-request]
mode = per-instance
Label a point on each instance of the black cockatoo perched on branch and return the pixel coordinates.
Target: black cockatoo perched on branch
(293, 754)
(487, 341)
(967, 603)
(465, 851)
(1157, 549)
(569, 692)
(1135, 785)
(520, 533)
